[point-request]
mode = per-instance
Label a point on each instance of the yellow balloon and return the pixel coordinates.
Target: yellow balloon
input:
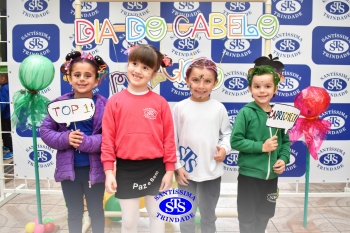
(30, 227)
(174, 185)
(142, 202)
(106, 197)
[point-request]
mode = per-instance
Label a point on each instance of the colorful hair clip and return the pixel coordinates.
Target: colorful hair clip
(131, 47)
(76, 54)
(101, 68)
(167, 61)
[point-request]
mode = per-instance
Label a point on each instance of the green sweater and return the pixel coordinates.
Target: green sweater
(249, 133)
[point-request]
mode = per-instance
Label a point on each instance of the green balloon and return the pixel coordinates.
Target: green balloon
(46, 220)
(36, 72)
(112, 204)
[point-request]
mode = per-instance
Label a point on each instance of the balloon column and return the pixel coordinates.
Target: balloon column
(36, 72)
(312, 102)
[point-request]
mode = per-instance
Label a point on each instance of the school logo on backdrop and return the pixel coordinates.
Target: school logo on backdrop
(331, 159)
(331, 45)
(336, 84)
(180, 89)
(237, 7)
(336, 10)
(45, 156)
(137, 9)
(296, 12)
(190, 10)
(235, 83)
(89, 11)
(287, 45)
(186, 48)
(230, 162)
(235, 51)
(232, 114)
(41, 39)
(297, 77)
(35, 8)
(337, 114)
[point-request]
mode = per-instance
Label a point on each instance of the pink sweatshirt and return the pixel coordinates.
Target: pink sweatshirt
(137, 127)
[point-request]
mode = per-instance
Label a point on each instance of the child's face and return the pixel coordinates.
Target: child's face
(139, 75)
(201, 83)
(83, 79)
(3, 80)
(263, 89)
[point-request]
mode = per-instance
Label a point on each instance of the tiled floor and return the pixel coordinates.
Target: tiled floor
(325, 214)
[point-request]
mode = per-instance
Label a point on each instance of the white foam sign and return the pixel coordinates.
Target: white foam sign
(283, 116)
(71, 110)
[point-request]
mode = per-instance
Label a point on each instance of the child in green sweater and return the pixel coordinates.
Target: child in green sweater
(263, 151)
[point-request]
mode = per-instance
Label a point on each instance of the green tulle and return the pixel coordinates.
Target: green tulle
(29, 110)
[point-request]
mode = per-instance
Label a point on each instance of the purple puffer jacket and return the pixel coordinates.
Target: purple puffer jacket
(56, 136)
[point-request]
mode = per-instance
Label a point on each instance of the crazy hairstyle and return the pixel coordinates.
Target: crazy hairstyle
(202, 62)
(267, 65)
(149, 55)
(75, 57)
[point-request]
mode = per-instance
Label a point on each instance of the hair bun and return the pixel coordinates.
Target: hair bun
(273, 62)
(73, 55)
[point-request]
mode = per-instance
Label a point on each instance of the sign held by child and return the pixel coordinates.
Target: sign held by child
(71, 110)
(283, 116)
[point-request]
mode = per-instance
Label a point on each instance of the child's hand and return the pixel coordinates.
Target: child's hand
(166, 181)
(220, 155)
(279, 166)
(182, 176)
(110, 183)
(75, 138)
(270, 144)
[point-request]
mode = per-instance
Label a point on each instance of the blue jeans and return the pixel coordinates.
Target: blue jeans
(74, 191)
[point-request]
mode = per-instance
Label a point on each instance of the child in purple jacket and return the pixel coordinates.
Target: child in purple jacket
(78, 159)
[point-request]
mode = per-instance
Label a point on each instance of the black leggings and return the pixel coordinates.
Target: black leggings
(74, 191)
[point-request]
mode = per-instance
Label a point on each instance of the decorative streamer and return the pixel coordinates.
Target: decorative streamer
(311, 101)
(36, 72)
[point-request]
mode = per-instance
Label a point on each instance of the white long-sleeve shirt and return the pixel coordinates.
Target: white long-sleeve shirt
(199, 128)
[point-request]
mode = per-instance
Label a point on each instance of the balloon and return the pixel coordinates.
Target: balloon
(36, 72)
(142, 202)
(29, 228)
(39, 228)
(312, 101)
(112, 204)
(48, 220)
(36, 221)
(49, 227)
(106, 197)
